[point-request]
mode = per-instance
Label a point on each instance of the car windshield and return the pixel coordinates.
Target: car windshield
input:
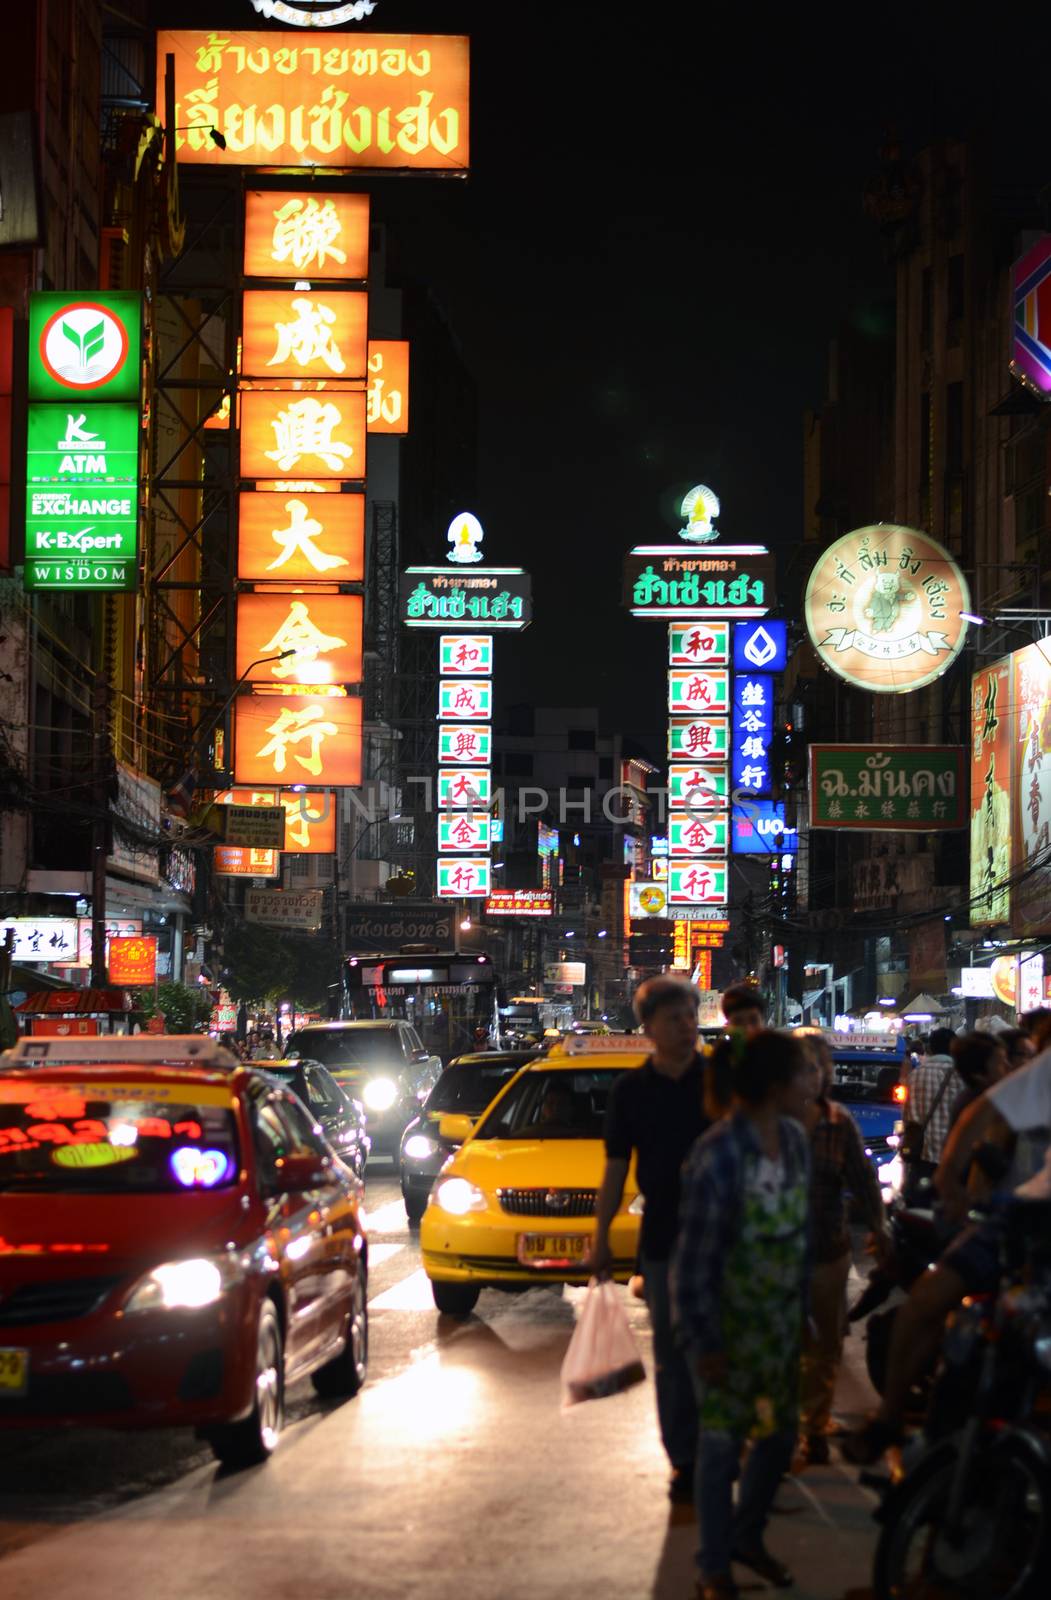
(563, 1104)
(108, 1139)
(348, 1047)
(469, 1089)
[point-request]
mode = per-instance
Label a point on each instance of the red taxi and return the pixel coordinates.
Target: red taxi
(177, 1244)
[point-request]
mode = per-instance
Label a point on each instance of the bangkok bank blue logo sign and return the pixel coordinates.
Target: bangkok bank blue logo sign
(760, 646)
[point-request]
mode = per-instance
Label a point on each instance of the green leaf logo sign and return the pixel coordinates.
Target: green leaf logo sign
(88, 344)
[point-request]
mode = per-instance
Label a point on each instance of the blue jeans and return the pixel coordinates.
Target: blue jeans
(724, 1528)
(676, 1401)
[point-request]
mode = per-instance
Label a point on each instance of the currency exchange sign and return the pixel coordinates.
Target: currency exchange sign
(888, 787)
(82, 496)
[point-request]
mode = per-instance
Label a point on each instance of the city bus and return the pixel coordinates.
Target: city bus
(449, 996)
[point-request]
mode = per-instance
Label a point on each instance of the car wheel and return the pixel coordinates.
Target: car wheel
(342, 1378)
(247, 1443)
(414, 1209)
(455, 1299)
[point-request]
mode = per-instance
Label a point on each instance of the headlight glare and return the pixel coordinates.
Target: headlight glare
(182, 1285)
(457, 1197)
(419, 1147)
(380, 1094)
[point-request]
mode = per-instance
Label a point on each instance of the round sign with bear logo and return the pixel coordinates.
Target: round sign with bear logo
(885, 608)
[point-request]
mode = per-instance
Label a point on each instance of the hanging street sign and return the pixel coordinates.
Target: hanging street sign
(699, 738)
(323, 630)
(318, 235)
(466, 654)
(87, 346)
(697, 788)
(466, 878)
(698, 644)
(464, 787)
(699, 691)
(488, 597)
(285, 434)
(887, 788)
(753, 724)
(464, 830)
(396, 101)
(279, 738)
(1031, 332)
(697, 834)
(520, 903)
(290, 333)
(700, 883)
(470, 745)
(287, 538)
(760, 646)
(759, 829)
(885, 608)
(725, 580)
(79, 447)
(388, 386)
(465, 698)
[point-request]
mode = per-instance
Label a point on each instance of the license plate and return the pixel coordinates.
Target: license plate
(552, 1249)
(14, 1372)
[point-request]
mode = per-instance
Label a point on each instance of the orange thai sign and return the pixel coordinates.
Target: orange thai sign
(289, 333)
(390, 100)
(388, 386)
(288, 538)
(278, 738)
(237, 861)
(133, 960)
(286, 434)
(310, 817)
(323, 631)
(314, 235)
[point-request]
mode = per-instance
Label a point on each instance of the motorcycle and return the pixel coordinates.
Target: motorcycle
(916, 1241)
(971, 1517)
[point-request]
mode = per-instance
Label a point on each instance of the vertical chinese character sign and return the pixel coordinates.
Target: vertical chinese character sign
(301, 409)
(464, 597)
(699, 587)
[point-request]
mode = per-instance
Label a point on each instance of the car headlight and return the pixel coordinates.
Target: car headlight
(457, 1197)
(184, 1285)
(380, 1094)
(419, 1147)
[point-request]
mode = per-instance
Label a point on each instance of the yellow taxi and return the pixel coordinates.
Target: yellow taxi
(515, 1206)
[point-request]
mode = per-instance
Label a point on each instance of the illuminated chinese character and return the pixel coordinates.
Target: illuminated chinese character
(753, 777)
(298, 633)
(697, 643)
(463, 789)
(465, 745)
(698, 737)
(696, 834)
(466, 654)
(299, 536)
(304, 428)
(308, 338)
(753, 694)
(464, 701)
(696, 883)
(753, 749)
(289, 728)
(698, 690)
(305, 232)
(463, 832)
(752, 722)
(462, 879)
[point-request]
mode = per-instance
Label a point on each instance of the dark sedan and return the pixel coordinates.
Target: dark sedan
(465, 1089)
(342, 1118)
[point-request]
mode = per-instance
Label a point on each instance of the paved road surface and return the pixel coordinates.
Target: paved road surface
(454, 1475)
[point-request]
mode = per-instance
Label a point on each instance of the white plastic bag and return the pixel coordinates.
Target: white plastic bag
(603, 1357)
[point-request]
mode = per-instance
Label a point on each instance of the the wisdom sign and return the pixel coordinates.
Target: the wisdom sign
(82, 442)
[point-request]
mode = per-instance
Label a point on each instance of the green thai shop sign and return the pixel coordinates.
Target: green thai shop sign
(889, 787)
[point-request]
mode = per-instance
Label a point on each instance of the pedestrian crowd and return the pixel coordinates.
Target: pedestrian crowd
(748, 1166)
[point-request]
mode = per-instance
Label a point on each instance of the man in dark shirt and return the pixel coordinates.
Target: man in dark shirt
(655, 1112)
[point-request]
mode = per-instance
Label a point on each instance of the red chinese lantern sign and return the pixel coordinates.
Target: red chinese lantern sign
(291, 538)
(285, 739)
(323, 632)
(314, 236)
(133, 960)
(285, 434)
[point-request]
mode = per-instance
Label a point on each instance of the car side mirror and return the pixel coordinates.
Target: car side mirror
(304, 1170)
(421, 1055)
(455, 1128)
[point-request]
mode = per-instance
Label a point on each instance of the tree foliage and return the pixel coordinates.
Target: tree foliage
(267, 966)
(182, 1006)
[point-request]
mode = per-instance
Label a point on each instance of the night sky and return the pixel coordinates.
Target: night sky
(662, 230)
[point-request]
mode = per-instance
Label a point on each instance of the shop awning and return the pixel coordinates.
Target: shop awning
(924, 1005)
(75, 1002)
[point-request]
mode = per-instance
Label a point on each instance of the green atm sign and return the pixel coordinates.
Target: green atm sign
(85, 345)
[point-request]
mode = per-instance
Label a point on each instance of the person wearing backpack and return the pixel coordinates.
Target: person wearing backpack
(933, 1086)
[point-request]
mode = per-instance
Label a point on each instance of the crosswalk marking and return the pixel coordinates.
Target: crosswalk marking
(389, 1218)
(382, 1252)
